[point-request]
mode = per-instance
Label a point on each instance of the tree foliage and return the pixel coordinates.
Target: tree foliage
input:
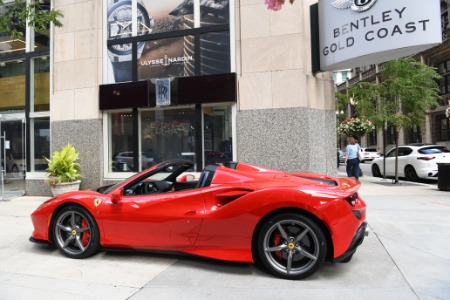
(15, 15)
(408, 89)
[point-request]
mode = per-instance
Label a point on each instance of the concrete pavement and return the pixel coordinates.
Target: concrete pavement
(405, 256)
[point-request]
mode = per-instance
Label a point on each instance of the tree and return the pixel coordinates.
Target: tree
(407, 91)
(14, 18)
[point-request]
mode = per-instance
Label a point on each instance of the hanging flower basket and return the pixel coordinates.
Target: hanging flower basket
(355, 127)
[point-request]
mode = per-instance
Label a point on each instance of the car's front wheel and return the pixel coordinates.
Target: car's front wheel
(291, 246)
(75, 232)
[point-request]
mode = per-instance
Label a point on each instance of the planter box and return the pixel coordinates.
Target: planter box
(65, 187)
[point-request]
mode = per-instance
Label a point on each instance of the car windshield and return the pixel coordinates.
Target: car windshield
(370, 150)
(434, 150)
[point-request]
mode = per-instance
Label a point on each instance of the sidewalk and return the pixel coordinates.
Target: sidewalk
(405, 256)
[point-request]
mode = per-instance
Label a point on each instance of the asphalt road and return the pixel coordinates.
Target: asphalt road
(405, 256)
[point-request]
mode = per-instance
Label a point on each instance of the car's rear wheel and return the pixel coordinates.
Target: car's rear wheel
(410, 173)
(291, 246)
(376, 171)
(75, 232)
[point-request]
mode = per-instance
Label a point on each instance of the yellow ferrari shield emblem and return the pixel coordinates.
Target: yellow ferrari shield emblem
(97, 202)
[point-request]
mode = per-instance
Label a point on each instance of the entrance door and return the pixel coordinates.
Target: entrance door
(12, 155)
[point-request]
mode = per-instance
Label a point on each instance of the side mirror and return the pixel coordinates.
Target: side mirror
(116, 196)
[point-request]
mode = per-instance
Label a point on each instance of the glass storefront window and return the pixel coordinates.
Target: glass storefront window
(167, 134)
(42, 39)
(214, 12)
(217, 134)
(40, 129)
(12, 74)
(8, 45)
(215, 53)
(164, 58)
(120, 129)
(119, 66)
(165, 16)
(40, 90)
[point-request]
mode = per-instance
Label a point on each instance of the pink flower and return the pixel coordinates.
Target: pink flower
(274, 4)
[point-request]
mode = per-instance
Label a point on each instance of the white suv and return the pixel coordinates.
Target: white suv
(369, 154)
(414, 162)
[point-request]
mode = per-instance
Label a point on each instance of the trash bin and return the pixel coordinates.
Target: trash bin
(444, 176)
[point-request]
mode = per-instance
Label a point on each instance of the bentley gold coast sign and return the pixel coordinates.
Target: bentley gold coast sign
(362, 32)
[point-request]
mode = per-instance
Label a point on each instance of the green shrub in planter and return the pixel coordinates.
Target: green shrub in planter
(63, 166)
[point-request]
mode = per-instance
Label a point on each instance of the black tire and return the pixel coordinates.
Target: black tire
(376, 171)
(75, 232)
(410, 173)
(291, 246)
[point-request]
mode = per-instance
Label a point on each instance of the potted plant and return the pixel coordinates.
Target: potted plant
(63, 171)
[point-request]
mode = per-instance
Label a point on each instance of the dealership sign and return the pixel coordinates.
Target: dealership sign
(362, 32)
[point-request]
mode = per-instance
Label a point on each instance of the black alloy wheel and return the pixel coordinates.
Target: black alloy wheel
(75, 232)
(291, 246)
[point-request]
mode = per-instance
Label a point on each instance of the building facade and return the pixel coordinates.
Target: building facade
(130, 83)
(436, 127)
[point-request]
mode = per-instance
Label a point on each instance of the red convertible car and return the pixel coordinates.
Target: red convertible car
(290, 223)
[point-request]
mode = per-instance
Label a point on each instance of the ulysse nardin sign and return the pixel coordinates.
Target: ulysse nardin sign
(362, 32)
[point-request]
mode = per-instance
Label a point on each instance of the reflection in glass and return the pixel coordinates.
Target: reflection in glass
(217, 134)
(167, 134)
(7, 44)
(214, 12)
(42, 39)
(120, 63)
(40, 128)
(120, 130)
(12, 74)
(40, 91)
(215, 53)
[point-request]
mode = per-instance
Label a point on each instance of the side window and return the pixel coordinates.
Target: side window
(391, 153)
(407, 151)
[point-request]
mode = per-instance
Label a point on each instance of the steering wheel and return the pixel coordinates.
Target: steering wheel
(150, 188)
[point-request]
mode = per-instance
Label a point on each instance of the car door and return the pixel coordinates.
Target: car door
(403, 160)
(168, 220)
(390, 163)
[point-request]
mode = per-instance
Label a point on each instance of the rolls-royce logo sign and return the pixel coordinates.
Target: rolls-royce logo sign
(355, 5)
(162, 91)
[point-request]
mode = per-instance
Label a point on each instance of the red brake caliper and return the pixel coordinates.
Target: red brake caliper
(277, 241)
(85, 235)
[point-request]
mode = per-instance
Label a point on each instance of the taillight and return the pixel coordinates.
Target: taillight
(426, 158)
(351, 199)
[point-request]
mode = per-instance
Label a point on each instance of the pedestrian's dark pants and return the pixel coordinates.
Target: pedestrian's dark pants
(353, 168)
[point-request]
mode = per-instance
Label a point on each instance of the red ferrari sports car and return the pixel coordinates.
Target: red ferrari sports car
(290, 223)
